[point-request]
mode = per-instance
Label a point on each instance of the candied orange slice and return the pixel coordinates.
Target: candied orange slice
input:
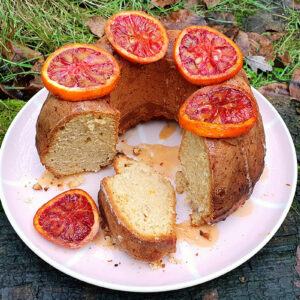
(219, 111)
(205, 56)
(78, 72)
(137, 36)
(71, 219)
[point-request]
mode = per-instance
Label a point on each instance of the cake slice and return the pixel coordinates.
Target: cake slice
(75, 137)
(138, 205)
(218, 175)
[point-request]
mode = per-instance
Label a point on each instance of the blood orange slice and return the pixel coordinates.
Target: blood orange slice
(205, 56)
(80, 72)
(219, 111)
(137, 36)
(70, 219)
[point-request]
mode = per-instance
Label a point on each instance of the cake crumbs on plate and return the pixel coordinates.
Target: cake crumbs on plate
(136, 150)
(156, 264)
(37, 187)
(28, 200)
(173, 260)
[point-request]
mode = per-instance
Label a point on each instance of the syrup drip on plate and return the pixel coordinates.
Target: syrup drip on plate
(163, 159)
(48, 179)
(201, 236)
(167, 131)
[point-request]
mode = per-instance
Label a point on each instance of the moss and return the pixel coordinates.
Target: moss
(8, 110)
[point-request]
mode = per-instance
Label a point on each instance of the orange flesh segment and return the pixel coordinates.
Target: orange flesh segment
(137, 35)
(222, 105)
(80, 67)
(69, 219)
(205, 53)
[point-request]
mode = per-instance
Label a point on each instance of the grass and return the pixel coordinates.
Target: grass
(8, 110)
(51, 24)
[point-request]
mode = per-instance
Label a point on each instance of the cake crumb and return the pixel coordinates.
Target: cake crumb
(173, 260)
(205, 235)
(46, 188)
(136, 150)
(116, 265)
(110, 260)
(37, 187)
(28, 200)
(196, 254)
(156, 264)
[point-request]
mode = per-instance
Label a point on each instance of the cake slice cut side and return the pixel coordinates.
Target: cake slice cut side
(195, 177)
(139, 208)
(76, 137)
(218, 175)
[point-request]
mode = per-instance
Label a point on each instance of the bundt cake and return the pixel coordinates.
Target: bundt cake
(138, 205)
(222, 171)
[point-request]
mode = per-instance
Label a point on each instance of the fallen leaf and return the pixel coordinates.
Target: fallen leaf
(274, 36)
(96, 25)
(261, 20)
(285, 58)
(293, 4)
(261, 46)
(243, 42)
(36, 83)
(210, 295)
(182, 18)
(191, 3)
(258, 62)
(211, 3)
(15, 52)
(223, 22)
(273, 28)
(275, 90)
(161, 3)
(295, 93)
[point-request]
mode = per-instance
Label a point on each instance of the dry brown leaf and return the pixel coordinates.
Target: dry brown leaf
(211, 3)
(36, 83)
(243, 42)
(258, 62)
(96, 25)
(182, 18)
(161, 3)
(211, 295)
(191, 3)
(261, 46)
(285, 58)
(16, 52)
(293, 4)
(223, 22)
(275, 90)
(274, 36)
(295, 93)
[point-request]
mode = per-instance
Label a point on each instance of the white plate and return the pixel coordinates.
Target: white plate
(240, 237)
